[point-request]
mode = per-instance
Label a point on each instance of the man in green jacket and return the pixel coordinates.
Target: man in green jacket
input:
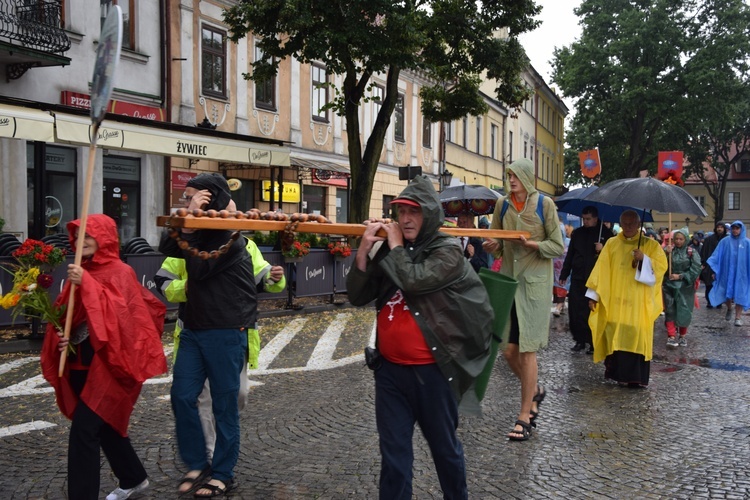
(434, 323)
(529, 261)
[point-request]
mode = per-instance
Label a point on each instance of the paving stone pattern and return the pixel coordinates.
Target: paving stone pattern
(310, 434)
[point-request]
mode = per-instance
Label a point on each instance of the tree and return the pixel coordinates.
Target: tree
(624, 73)
(719, 130)
(639, 76)
(452, 41)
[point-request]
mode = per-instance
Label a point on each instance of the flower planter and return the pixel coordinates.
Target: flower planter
(290, 260)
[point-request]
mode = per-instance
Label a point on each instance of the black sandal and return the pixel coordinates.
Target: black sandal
(193, 482)
(523, 435)
(216, 490)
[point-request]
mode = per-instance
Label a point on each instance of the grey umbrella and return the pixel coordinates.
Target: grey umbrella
(478, 200)
(648, 193)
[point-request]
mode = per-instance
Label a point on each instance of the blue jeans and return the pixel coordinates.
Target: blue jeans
(405, 395)
(219, 356)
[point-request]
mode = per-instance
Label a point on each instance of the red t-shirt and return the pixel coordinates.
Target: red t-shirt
(400, 340)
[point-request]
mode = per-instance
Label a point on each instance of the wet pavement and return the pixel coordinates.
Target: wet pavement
(309, 429)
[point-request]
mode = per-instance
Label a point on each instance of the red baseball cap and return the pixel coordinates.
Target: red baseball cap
(405, 201)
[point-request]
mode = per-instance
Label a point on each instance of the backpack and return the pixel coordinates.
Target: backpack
(539, 208)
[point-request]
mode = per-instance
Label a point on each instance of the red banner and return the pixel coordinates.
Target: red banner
(590, 164)
(670, 167)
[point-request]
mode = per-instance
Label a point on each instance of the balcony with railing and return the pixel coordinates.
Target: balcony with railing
(31, 35)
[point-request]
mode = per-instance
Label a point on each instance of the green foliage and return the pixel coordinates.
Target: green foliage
(647, 75)
(454, 42)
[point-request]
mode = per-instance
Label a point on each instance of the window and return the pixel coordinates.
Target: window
(733, 201)
(531, 153)
(745, 165)
(319, 93)
(388, 209)
(466, 133)
(510, 147)
(449, 131)
(479, 134)
(378, 96)
(128, 24)
(213, 62)
(398, 118)
(265, 91)
(701, 201)
(525, 148)
(493, 142)
(426, 133)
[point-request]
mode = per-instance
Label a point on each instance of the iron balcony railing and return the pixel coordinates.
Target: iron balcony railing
(33, 23)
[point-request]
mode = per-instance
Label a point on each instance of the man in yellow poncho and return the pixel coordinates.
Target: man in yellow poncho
(625, 300)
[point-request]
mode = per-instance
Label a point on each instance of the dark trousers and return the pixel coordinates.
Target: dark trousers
(405, 395)
(578, 312)
(88, 435)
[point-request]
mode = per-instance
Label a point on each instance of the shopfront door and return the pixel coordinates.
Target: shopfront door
(122, 193)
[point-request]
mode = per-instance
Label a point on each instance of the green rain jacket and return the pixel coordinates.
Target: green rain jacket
(679, 296)
(531, 268)
(444, 294)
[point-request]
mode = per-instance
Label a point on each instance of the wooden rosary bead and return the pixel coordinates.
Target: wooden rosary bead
(197, 212)
(181, 212)
(223, 214)
(193, 251)
(204, 255)
(212, 213)
(184, 245)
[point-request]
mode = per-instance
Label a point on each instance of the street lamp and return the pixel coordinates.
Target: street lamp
(447, 177)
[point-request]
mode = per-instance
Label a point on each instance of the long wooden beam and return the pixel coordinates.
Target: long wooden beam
(230, 223)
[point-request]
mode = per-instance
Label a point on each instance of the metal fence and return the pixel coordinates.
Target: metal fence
(318, 274)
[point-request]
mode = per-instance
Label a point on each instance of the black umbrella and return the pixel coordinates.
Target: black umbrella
(574, 201)
(648, 193)
(478, 200)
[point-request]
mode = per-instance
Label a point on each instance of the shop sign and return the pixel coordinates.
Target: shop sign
(83, 101)
(291, 194)
(329, 177)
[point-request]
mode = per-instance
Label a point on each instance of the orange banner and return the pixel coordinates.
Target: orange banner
(590, 163)
(670, 166)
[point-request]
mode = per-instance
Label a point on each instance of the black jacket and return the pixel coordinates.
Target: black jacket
(221, 293)
(581, 255)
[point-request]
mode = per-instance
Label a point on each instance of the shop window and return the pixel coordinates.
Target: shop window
(60, 199)
(122, 194)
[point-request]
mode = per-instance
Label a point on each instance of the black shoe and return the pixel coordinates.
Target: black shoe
(590, 350)
(580, 346)
(709, 306)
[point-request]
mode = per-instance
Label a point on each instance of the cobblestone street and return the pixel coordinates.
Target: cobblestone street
(309, 429)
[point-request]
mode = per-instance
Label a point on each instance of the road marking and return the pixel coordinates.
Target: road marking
(277, 344)
(26, 388)
(27, 427)
(323, 353)
(12, 365)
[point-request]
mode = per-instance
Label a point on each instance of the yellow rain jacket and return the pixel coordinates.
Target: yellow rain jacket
(624, 316)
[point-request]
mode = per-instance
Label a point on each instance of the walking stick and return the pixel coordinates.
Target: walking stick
(107, 57)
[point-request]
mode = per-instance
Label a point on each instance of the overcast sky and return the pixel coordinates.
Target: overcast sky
(559, 28)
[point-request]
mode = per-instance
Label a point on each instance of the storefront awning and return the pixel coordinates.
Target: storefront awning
(318, 164)
(25, 123)
(75, 129)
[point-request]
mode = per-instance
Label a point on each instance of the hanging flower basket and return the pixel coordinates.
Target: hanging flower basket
(296, 252)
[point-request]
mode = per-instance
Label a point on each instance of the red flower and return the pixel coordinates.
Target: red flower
(44, 280)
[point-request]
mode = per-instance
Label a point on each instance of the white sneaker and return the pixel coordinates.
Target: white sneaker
(738, 322)
(683, 341)
(671, 342)
(120, 494)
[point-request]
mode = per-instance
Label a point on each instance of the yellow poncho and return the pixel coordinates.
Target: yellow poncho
(624, 317)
